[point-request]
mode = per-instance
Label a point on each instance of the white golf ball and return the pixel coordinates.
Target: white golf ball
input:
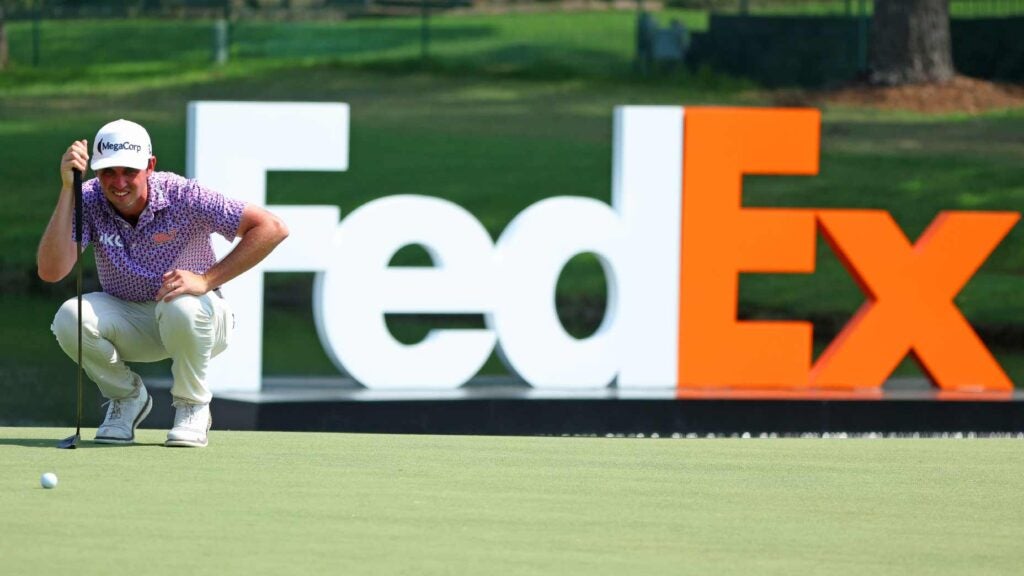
(49, 480)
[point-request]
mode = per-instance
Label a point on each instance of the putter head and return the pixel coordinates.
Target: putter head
(71, 442)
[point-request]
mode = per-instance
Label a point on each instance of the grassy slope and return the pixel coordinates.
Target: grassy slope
(80, 54)
(511, 142)
(266, 503)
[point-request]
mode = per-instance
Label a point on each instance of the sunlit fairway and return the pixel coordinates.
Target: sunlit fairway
(273, 503)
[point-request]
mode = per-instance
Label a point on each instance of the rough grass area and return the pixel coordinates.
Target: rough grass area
(272, 503)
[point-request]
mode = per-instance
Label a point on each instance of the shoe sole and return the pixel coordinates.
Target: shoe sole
(191, 443)
(138, 420)
(185, 444)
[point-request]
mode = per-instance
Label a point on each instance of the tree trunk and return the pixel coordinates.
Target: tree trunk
(910, 42)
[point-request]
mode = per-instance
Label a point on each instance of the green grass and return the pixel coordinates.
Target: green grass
(272, 503)
(493, 138)
(578, 42)
(124, 56)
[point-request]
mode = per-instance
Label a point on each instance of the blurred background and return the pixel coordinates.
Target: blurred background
(776, 42)
(498, 104)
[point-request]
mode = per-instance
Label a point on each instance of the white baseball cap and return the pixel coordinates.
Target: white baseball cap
(121, 143)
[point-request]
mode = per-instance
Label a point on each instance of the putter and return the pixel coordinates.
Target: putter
(72, 441)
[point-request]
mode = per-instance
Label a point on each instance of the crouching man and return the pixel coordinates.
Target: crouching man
(151, 234)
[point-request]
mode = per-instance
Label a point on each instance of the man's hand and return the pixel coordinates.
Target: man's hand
(178, 282)
(77, 156)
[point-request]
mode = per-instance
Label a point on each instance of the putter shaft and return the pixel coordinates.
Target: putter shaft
(72, 441)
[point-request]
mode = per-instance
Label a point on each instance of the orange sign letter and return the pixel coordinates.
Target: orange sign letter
(910, 292)
(721, 239)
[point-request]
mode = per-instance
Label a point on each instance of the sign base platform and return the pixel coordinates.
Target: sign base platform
(503, 406)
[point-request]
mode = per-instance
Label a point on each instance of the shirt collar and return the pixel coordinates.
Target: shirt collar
(156, 200)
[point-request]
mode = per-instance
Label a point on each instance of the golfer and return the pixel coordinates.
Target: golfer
(160, 280)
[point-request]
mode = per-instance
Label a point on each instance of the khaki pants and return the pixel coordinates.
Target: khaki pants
(189, 330)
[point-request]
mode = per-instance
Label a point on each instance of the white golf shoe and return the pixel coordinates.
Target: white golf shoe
(191, 425)
(123, 417)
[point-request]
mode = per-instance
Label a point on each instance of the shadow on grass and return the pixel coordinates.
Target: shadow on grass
(45, 443)
(30, 442)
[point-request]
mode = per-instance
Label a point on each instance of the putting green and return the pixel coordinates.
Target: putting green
(276, 503)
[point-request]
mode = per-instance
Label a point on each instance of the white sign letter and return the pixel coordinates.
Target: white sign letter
(231, 146)
(359, 287)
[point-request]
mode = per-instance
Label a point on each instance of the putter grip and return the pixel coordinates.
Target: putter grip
(77, 174)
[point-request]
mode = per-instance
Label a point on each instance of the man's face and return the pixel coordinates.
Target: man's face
(126, 188)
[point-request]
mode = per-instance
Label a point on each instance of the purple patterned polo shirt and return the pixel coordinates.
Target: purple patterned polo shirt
(173, 232)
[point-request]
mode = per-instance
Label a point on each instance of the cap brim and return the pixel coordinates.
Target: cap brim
(123, 160)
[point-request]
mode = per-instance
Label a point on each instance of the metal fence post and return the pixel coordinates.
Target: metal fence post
(220, 41)
(36, 32)
(862, 36)
(425, 31)
(3, 40)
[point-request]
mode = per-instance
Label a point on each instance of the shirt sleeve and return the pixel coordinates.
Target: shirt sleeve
(215, 211)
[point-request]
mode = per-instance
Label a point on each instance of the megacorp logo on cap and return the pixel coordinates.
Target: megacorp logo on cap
(103, 147)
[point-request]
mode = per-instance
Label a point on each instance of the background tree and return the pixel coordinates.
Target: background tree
(910, 42)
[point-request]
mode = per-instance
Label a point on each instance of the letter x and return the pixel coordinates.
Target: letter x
(910, 291)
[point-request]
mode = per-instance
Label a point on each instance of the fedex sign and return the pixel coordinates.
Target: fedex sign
(672, 243)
